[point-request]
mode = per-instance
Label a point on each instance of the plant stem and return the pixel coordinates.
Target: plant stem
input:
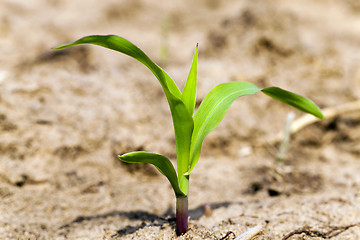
(184, 184)
(181, 215)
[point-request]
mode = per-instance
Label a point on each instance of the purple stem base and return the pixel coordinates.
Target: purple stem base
(181, 215)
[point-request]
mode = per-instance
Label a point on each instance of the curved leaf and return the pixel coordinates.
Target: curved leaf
(294, 100)
(124, 46)
(211, 112)
(160, 162)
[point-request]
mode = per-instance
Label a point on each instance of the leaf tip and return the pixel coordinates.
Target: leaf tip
(60, 47)
(321, 115)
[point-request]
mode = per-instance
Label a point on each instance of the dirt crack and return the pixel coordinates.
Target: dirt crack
(334, 231)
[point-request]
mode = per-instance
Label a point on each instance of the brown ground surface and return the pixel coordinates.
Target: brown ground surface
(64, 116)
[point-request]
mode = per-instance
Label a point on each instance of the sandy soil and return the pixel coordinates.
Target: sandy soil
(65, 115)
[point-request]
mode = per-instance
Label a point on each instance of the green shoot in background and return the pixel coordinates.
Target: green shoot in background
(190, 127)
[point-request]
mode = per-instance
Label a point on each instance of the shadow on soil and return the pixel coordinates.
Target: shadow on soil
(147, 219)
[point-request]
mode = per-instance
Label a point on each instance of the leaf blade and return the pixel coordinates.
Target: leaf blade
(212, 110)
(189, 92)
(294, 100)
(162, 163)
(124, 46)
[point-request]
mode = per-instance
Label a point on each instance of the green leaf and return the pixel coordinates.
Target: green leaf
(122, 45)
(212, 110)
(160, 162)
(189, 93)
(294, 100)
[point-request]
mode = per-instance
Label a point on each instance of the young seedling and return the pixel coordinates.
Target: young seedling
(190, 127)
